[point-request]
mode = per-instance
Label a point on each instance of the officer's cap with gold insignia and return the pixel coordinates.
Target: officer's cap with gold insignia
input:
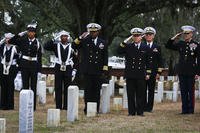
(32, 27)
(93, 27)
(8, 35)
(149, 30)
(187, 28)
(137, 31)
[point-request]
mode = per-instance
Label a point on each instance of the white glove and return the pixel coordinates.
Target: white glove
(73, 74)
(128, 39)
(57, 38)
(2, 41)
(84, 35)
(177, 36)
(22, 33)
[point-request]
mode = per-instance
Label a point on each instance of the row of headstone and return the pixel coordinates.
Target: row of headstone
(169, 78)
(159, 95)
(26, 104)
(171, 95)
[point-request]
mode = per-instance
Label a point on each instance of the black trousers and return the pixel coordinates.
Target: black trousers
(29, 77)
(62, 82)
(187, 93)
(92, 90)
(136, 93)
(7, 88)
(149, 97)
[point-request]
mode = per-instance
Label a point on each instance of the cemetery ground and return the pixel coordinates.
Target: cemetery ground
(165, 119)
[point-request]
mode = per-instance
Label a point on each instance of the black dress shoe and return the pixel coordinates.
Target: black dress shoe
(131, 114)
(140, 114)
(183, 113)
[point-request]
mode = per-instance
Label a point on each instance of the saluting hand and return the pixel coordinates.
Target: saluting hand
(84, 35)
(128, 39)
(22, 33)
(177, 36)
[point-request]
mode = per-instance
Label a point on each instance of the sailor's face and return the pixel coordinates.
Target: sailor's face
(149, 37)
(7, 39)
(31, 34)
(64, 39)
(94, 34)
(187, 36)
(137, 38)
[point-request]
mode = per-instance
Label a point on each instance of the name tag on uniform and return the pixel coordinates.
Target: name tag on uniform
(63, 67)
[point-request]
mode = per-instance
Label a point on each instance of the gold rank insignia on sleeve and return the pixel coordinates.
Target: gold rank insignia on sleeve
(159, 69)
(148, 71)
(77, 41)
(105, 68)
(122, 45)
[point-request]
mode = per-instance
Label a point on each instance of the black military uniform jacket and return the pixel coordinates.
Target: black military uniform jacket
(136, 60)
(30, 50)
(52, 46)
(94, 58)
(155, 59)
(7, 53)
(189, 59)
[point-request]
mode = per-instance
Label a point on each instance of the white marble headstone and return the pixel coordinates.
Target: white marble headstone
(117, 102)
(162, 78)
(160, 91)
(169, 95)
(81, 93)
(2, 125)
(26, 115)
(41, 89)
(121, 91)
(105, 99)
(53, 117)
(125, 98)
(72, 103)
(175, 91)
(112, 87)
(91, 109)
